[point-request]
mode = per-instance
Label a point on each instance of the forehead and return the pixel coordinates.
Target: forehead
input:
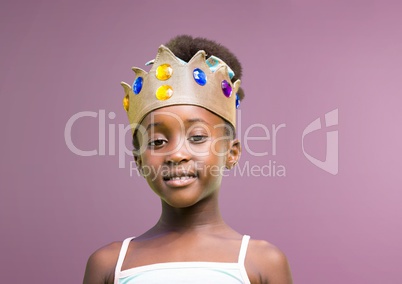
(182, 114)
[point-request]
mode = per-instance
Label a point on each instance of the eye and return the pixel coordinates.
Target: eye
(156, 142)
(198, 138)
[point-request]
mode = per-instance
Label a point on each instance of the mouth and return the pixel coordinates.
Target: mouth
(179, 179)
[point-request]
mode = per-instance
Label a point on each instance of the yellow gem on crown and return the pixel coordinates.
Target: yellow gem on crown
(164, 92)
(126, 103)
(164, 72)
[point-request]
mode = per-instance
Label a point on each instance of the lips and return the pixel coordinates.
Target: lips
(179, 179)
(177, 176)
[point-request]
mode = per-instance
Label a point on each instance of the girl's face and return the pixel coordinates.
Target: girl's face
(183, 151)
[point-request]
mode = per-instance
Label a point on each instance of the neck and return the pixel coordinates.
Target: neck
(203, 216)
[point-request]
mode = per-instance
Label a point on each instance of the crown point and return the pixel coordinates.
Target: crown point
(236, 85)
(139, 72)
(164, 53)
(126, 87)
(198, 57)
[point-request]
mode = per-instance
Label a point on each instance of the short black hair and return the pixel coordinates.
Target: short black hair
(185, 47)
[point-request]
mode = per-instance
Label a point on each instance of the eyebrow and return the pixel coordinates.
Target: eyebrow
(153, 125)
(190, 120)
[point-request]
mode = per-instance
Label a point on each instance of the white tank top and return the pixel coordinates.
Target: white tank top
(195, 272)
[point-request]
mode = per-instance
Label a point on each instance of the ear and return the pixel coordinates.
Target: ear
(234, 153)
(138, 161)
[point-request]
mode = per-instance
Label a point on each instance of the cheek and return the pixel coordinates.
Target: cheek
(209, 152)
(149, 165)
(199, 150)
(219, 148)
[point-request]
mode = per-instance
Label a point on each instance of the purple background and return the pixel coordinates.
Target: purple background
(301, 60)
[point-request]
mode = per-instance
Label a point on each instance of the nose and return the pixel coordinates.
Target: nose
(178, 154)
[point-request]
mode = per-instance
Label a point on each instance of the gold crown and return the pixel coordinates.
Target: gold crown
(171, 81)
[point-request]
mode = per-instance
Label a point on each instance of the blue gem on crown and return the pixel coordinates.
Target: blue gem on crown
(237, 101)
(137, 85)
(199, 76)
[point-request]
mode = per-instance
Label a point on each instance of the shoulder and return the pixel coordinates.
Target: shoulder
(101, 264)
(268, 262)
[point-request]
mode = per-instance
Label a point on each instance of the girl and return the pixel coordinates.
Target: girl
(183, 118)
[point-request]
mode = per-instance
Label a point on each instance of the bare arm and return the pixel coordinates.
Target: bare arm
(278, 269)
(269, 264)
(101, 265)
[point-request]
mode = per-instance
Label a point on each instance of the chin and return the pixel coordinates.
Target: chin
(182, 201)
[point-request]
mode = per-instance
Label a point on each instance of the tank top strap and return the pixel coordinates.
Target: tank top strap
(243, 249)
(122, 255)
